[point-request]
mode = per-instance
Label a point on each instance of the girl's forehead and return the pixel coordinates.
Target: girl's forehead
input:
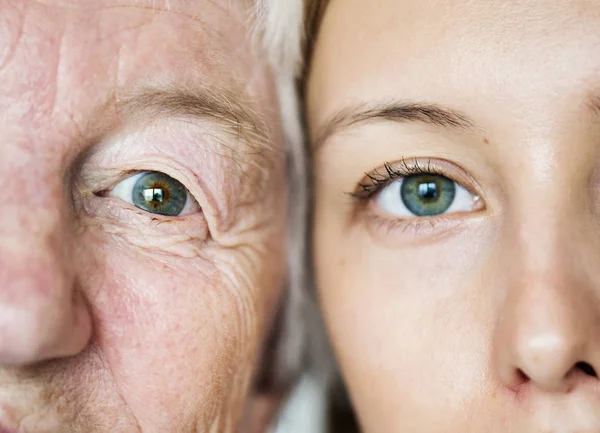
(432, 50)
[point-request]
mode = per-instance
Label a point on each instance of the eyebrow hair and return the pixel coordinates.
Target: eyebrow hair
(594, 104)
(399, 111)
(217, 105)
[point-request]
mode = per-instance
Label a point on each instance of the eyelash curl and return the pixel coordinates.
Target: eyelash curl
(375, 181)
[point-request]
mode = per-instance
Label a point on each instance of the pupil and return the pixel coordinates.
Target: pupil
(428, 191)
(153, 194)
(427, 194)
(159, 193)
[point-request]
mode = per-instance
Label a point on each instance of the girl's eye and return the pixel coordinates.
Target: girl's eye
(157, 193)
(424, 195)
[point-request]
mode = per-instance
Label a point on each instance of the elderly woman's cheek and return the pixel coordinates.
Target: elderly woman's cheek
(134, 228)
(169, 329)
(173, 305)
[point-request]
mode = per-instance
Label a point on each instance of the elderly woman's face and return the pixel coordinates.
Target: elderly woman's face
(457, 238)
(141, 217)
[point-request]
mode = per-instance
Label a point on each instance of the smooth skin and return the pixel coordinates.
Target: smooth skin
(484, 318)
(113, 318)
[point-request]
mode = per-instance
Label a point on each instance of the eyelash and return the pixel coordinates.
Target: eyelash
(376, 181)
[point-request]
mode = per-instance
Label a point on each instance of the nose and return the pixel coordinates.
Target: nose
(42, 314)
(548, 333)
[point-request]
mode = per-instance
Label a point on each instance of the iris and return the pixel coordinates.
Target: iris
(427, 194)
(160, 194)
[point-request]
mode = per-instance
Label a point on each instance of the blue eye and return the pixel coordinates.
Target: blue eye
(157, 193)
(425, 195)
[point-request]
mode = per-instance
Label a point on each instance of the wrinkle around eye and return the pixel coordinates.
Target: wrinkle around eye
(182, 244)
(135, 228)
(230, 186)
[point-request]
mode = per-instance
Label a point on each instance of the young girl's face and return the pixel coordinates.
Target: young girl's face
(457, 214)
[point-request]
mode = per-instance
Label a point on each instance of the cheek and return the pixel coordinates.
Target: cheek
(404, 321)
(177, 334)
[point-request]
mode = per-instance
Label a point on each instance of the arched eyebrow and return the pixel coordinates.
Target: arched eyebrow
(397, 111)
(221, 107)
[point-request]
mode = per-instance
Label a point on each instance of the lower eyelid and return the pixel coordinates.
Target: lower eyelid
(406, 232)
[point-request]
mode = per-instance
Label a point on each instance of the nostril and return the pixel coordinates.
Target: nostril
(586, 368)
(522, 377)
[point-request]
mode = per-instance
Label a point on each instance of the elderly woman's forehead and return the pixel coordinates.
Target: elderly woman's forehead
(151, 4)
(209, 12)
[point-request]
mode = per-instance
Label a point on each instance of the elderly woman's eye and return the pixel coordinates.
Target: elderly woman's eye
(424, 195)
(157, 193)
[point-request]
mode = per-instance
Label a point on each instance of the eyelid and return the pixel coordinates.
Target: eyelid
(380, 177)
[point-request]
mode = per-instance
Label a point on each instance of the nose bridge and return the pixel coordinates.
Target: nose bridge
(42, 316)
(32, 246)
(549, 321)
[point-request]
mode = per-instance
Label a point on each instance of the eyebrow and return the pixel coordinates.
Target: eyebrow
(398, 111)
(216, 105)
(594, 104)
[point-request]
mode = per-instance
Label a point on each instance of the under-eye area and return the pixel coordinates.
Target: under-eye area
(412, 192)
(143, 205)
(150, 211)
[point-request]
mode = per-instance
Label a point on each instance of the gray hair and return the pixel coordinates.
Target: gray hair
(301, 344)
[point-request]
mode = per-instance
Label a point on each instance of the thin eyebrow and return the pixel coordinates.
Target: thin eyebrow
(399, 111)
(216, 105)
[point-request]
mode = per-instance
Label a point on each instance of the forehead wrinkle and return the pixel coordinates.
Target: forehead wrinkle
(191, 9)
(218, 106)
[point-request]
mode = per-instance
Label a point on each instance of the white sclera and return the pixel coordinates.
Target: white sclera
(124, 191)
(390, 201)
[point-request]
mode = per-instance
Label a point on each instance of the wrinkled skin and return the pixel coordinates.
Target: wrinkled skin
(114, 319)
(487, 318)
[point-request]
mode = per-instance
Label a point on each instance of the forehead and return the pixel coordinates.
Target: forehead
(62, 59)
(386, 50)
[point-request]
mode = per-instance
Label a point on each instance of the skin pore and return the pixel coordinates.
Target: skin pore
(146, 312)
(456, 150)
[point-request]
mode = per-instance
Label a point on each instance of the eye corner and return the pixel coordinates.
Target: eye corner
(103, 193)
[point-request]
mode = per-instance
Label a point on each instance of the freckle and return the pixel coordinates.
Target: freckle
(486, 141)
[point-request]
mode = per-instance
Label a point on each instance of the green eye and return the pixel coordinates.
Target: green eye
(427, 194)
(159, 193)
